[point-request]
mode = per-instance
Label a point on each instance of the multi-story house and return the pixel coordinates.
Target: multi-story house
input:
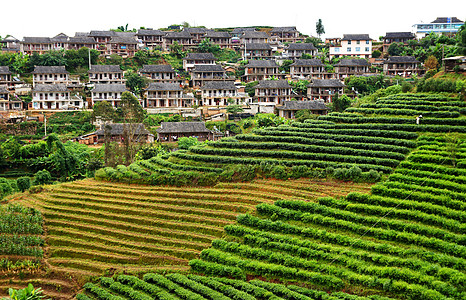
(197, 33)
(106, 74)
(54, 97)
(166, 95)
(221, 38)
(159, 73)
(50, 75)
(108, 92)
(257, 70)
(39, 45)
(193, 59)
(122, 45)
(296, 50)
(183, 38)
(254, 37)
(5, 77)
(203, 73)
(285, 34)
(78, 42)
(102, 37)
(324, 89)
(404, 66)
(60, 41)
(238, 32)
(150, 38)
(257, 51)
(272, 92)
(357, 45)
(441, 25)
(347, 67)
(10, 44)
(307, 68)
(221, 93)
(4, 99)
(396, 37)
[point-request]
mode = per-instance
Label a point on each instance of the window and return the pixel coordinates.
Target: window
(367, 42)
(348, 49)
(358, 42)
(367, 49)
(337, 49)
(358, 49)
(349, 42)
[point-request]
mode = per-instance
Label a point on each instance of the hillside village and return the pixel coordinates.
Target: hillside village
(234, 163)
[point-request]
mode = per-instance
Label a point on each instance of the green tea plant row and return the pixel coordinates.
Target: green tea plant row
(170, 165)
(433, 107)
(418, 96)
(426, 124)
(423, 102)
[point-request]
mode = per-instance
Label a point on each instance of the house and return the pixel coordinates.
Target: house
(197, 33)
(296, 50)
(220, 38)
(203, 73)
(272, 92)
(78, 42)
(257, 70)
(102, 38)
(172, 131)
(106, 74)
(7, 103)
(166, 95)
(10, 44)
(347, 67)
(257, 51)
(238, 32)
(249, 37)
(324, 89)
(357, 45)
(193, 59)
(451, 63)
(54, 97)
(50, 75)
(289, 108)
(307, 68)
(159, 73)
(122, 45)
(441, 25)
(396, 37)
(60, 42)
(221, 93)
(108, 92)
(182, 38)
(151, 39)
(285, 34)
(404, 66)
(5, 77)
(116, 133)
(39, 45)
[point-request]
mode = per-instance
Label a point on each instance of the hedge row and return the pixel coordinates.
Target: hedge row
(423, 102)
(170, 165)
(397, 120)
(405, 112)
(147, 288)
(426, 107)
(122, 289)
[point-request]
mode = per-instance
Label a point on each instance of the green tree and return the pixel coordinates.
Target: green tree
(176, 49)
(285, 67)
(234, 109)
(431, 63)
(136, 83)
(23, 183)
(461, 40)
(320, 28)
(42, 177)
(106, 113)
(132, 114)
(376, 54)
(206, 46)
(313, 40)
(395, 49)
(187, 142)
(340, 103)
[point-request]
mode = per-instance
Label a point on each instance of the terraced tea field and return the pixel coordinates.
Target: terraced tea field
(95, 227)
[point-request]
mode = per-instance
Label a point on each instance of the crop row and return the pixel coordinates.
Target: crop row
(405, 112)
(426, 124)
(170, 165)
(411, 106)
(423, 102)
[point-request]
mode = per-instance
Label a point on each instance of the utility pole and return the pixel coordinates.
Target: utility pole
(89, 58)
(45, 125)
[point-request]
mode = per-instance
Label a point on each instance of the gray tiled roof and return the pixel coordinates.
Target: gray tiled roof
(62, 38)
(242, 29)
(255, 34)
(301, 46)
(401, 59)
(82, 40)
(352, 62)
(5, 70)
(218, 85)
(195, 30)
(150, 32)
(50, 88)
(445, 20)
(156, 68)
(394, 35)
(297, 105)
(270, 84)
(105, 69)
(112, 88)
(258, 46)
(118, 128)
(176, 127)
(217, 34)
(102, 33)
(50, 70)
(163, 86)
(326, 83)
(199, 56)
(123, 40)
(36, 40)
(283, 29)
(355, 37)
(308, 62)
(208, 68)
(261, 63)
(176, 34)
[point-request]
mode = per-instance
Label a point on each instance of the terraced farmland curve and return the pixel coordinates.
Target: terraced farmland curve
(95, 227)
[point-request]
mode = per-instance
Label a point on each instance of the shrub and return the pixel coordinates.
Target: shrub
(42, 177)
(280, 172)
(24, 183)
(5, 187)
(186, 142)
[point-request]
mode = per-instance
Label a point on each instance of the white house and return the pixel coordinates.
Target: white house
(357, 45)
